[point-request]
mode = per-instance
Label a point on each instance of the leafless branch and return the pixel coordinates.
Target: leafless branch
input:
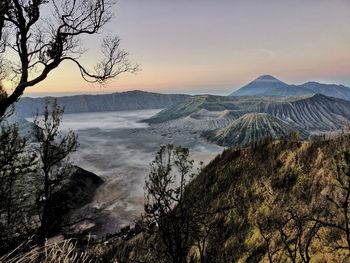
(43, 42)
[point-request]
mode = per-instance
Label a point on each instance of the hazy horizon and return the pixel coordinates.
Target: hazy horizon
(209, 47)
(99, 91)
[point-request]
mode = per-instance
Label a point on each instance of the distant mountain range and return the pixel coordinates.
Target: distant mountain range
(270, 86)
(131, 100)
(266, 107)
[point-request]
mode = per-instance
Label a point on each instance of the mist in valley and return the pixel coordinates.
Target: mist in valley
(119, 147)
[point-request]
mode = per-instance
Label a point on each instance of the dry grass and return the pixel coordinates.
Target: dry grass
(61, 252)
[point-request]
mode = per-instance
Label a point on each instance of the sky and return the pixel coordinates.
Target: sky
(206, 46)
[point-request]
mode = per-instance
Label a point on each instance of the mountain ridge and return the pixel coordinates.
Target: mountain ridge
(311, 114)
(118, 101)
(267, 85)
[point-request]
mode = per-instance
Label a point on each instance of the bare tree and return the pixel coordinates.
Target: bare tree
(335, 212)
(286, 224)
(44, 33)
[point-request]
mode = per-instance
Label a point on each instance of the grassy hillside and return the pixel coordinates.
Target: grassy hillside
(283, 200)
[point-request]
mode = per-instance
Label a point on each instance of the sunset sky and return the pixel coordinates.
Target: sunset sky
(206, 46)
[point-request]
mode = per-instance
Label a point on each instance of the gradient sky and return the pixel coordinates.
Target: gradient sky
(206, 46)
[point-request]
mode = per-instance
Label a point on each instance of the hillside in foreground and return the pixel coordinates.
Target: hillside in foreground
(283, 201)
(278, 201)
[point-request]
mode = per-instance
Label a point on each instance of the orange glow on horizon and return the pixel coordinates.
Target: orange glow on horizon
(294, 41)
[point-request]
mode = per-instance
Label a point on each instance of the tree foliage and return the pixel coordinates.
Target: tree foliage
(54, 148)
(178, 231)
(165, 202)
(15, 164)
(31, 173)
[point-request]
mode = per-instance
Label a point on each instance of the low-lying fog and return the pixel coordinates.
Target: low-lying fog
(119, 148)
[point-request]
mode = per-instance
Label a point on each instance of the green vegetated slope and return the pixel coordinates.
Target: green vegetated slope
(282, 199)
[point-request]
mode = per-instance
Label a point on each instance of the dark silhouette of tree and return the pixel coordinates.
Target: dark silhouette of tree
(3, 94)
(174, 225)
(15, 164)
(46, 33)
(54, 148)
(167, 210)
(3, 97)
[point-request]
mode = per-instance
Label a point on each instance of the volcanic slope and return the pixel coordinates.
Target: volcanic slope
(253, 127)
(312, 113)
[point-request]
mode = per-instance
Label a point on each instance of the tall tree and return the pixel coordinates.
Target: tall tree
(54, 148)
(15, 164)
(166, 208)
(44, 33)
